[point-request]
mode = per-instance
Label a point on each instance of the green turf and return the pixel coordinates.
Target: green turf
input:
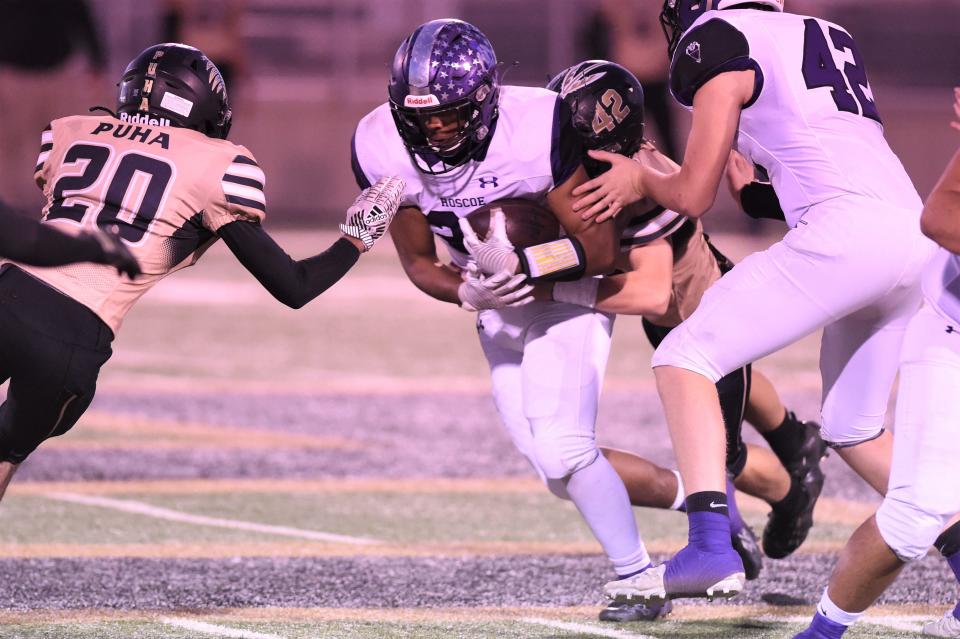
(512, 629)
(410, 518)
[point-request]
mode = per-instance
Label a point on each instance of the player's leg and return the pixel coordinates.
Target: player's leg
(564, 359)
(796, 443)
(948, 543)
(924, 488)
(648, 485)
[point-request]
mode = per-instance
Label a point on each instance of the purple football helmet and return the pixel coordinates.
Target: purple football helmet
(444, 89)
(678, 15)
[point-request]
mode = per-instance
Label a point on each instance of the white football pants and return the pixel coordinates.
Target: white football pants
(851, 266)
(547, 361)
(924, 489)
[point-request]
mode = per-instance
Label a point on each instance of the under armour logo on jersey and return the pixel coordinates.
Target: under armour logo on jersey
(486, 181)
(951, 329)
(693, 50)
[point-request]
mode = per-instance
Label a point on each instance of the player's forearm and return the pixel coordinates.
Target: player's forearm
(630, 294)
(940, 220)
(29, 241)
(682, 192)
(293, 283)
(434, 279)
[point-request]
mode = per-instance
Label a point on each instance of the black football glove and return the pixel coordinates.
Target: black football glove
(116, 253)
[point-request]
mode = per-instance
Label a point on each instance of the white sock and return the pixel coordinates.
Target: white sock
(680, 499)
(600, 496)
(828, 609)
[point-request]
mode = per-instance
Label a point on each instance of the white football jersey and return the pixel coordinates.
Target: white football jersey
(532, 149)
(941, 284)
(813, 123)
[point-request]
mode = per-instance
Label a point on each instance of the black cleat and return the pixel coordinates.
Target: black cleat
(809, 454)
(745, 543)
(623, 611)
(787, 528)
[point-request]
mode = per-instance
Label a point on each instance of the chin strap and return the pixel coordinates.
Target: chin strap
(94, 109)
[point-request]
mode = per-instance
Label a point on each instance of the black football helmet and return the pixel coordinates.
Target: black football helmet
(606, 102)
(177, 85)
(446, 71)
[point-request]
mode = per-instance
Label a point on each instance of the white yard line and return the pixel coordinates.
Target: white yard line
(141, 508)
(584, 628)
(219, 631)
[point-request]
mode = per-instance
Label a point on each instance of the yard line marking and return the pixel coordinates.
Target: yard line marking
(584, 628)
(220, 631)
(148, 510)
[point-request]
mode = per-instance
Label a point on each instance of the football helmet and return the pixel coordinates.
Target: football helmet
(444, 93)
(678, 15)
(177, 83)
(606, 103)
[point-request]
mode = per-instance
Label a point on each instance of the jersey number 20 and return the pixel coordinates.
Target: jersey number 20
(157, 174)
(819, 69)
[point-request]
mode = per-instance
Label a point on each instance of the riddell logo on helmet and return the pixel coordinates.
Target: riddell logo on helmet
(420, 100)
(144, 119)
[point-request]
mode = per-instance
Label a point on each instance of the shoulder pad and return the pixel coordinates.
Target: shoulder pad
(705, 51)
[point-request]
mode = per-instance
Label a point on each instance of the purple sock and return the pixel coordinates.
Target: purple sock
(954, 562)
(736, 521)
(956, 611)
(826, 628)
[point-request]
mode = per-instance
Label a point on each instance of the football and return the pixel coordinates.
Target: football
(528, 223)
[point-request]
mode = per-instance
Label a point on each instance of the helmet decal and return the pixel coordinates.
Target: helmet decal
(578, 78)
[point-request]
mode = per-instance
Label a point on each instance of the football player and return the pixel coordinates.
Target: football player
(29, 241)
(792, 93)
(924, 491)
(163, 173)
(665, 264)
(460, 139)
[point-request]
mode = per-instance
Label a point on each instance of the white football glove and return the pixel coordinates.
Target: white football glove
(480, 292)
(373, 210)
(495, 254)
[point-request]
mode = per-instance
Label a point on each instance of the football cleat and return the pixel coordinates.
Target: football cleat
(621, 611)
(945, 626)
(787, 529)
(745, 543)
(645, 587)
(699, 574)
(809, 454)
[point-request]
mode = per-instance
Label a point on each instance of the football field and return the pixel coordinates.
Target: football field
(255, 472)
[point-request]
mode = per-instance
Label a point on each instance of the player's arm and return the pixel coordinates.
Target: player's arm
(598, 243)
(756, 197)
(296, 282)
(644, 288)
(29, 241)
(940, 220)
(418, 255)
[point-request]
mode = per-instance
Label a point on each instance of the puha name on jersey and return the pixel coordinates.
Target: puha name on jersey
(134, 133)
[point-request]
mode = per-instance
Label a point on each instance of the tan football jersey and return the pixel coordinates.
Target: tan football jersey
(166, 189)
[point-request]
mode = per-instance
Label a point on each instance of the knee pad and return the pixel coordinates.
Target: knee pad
(907, 528)
(560, 457)
(848, 438)
(681, 349)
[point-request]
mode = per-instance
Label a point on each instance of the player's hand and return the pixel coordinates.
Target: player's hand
(604, 196)
(956, 108)
(480, 292)
(740, 172)
(373, 210)
(115, 252)
(495, 253)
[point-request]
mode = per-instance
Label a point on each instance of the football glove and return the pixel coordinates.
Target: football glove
(372, 211)
(115, 252)
(495, 254)
(481, 292)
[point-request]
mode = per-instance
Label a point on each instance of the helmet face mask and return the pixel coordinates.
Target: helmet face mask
(176, 85)
(607, 111)
(444, 92)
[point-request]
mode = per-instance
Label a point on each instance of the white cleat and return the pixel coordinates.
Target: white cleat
(945, 626)
(727, 588)
(647, 587)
